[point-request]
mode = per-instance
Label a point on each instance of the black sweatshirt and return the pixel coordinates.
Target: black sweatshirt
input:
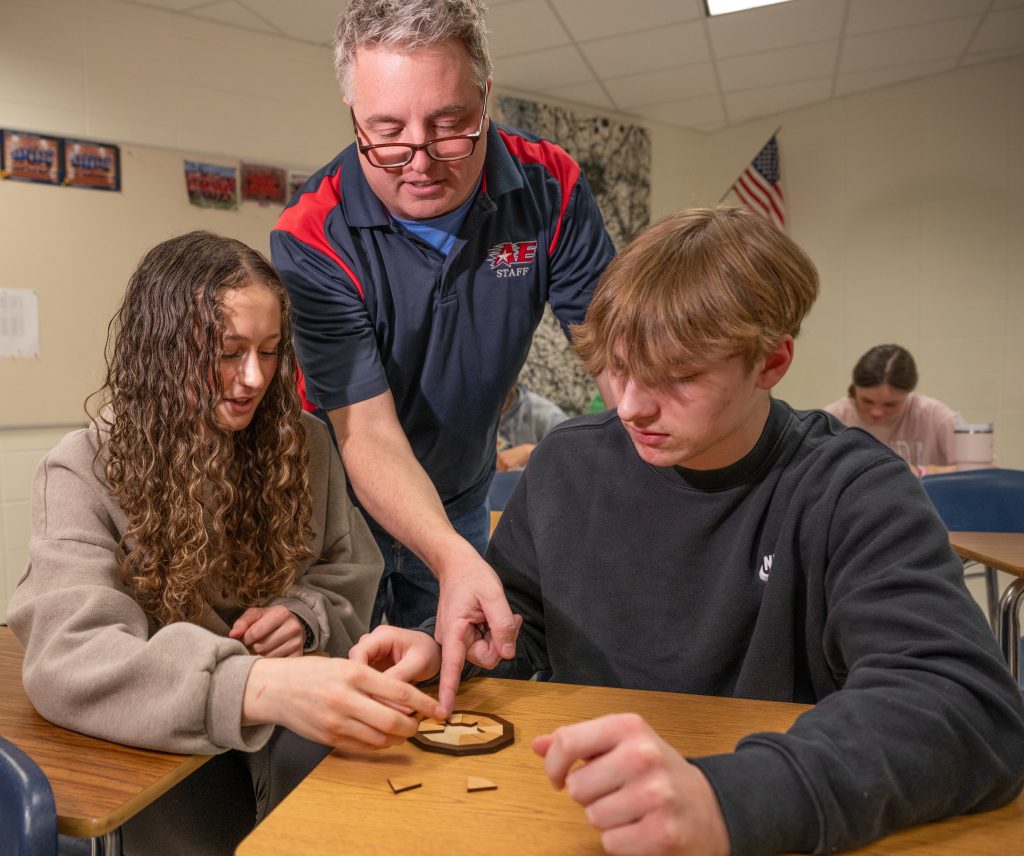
(814, 570)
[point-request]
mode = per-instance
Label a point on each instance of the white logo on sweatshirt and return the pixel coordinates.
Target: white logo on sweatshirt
(766, 567)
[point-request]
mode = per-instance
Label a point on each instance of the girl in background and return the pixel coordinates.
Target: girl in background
(882, 401)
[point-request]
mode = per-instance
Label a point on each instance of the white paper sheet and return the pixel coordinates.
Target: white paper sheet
(19, 322)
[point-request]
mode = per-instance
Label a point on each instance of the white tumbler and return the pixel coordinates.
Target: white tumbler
(973, 443)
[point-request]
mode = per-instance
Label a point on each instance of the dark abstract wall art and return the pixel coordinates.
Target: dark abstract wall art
(616, 159)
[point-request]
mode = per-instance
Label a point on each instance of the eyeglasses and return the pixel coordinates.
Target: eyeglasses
(390, 155)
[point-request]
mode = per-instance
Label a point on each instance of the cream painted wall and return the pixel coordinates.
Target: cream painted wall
(20, 453)
(908, 199)
(133, 74)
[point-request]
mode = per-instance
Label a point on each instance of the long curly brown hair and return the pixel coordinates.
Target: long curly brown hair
(210, 511)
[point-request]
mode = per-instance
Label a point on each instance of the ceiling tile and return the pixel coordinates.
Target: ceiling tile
(656, 57)
(686, 81)
(591, 94)
(796, 23)
(860, 81)
(235, 14)
(649, 50)
(805, 62)
(42, 33)
(989, 56)
(595, 19)
(309, 20)
(689, 113)
(752, 103)
(1001, 30)
(906, 45)
(517, 28)
(542, 69)
(867, 16)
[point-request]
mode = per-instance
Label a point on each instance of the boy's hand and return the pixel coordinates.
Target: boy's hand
(635, 788)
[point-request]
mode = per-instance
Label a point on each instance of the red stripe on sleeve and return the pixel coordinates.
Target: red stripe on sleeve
(554, 160)
(300, 386)
(307, 219)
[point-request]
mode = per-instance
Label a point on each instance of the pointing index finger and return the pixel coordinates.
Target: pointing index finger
(453, 658)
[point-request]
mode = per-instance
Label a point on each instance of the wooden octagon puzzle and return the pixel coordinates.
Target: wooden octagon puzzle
(465, 732)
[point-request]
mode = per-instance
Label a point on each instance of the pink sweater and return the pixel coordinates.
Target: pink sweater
(925, 420)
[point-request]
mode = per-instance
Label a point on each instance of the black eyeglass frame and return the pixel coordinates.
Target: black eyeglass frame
(365, 149)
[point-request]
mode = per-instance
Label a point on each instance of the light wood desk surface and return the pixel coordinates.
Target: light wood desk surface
(97, 785)
(1001, 550)
(346, 805)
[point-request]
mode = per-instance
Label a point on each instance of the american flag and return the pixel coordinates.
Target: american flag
(758, 187)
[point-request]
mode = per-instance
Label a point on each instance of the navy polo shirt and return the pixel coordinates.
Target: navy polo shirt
(376, 308)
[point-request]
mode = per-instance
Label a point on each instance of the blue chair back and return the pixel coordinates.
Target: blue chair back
(501, 488)
(28, 815)
(985, 500)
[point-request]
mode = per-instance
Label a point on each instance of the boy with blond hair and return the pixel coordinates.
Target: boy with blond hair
(708, 538)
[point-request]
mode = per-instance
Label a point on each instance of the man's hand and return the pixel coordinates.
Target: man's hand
(473, 618)
(636, 789)
(474, 623)
(270, 631)
(407, 655)
(514, 458)
(335, 702)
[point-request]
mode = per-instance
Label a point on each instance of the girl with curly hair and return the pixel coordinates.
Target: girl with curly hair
(192, 543)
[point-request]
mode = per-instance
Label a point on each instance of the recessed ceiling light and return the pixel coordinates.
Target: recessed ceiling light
(724, 7)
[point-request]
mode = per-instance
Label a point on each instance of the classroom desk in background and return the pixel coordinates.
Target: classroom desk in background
(97, 785)
(346, 804)
(1003, 551)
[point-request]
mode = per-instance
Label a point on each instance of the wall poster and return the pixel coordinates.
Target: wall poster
(211, 185)
(93, 165)
(30, 157)
(264, 184)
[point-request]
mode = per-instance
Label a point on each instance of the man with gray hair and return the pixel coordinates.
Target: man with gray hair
(419, 262)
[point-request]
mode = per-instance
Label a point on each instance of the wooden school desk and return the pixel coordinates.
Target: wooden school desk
(1003, 551)
(347, 806)
(97, 785)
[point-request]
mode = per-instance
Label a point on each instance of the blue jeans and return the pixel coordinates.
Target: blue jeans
(408, 590)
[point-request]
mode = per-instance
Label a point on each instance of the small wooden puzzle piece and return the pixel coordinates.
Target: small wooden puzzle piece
(399, 784)
(478, 783)
(431, 726)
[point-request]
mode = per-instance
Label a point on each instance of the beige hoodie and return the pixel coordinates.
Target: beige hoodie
(96, 664)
